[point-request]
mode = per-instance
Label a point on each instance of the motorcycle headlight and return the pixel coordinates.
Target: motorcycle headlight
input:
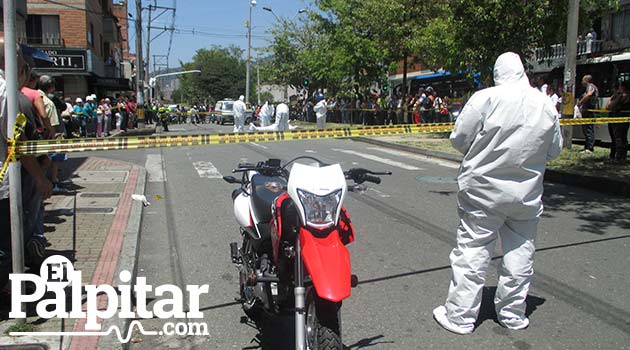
(320, 211)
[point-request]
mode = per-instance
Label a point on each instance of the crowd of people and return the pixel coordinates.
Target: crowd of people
(426, 106)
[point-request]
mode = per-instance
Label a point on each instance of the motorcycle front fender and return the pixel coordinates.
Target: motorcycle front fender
(327, 261)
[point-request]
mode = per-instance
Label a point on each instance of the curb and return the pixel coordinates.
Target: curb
(127, 260)
(609, 186)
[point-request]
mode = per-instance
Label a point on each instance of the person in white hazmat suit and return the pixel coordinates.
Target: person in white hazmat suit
(507, 133)
(281, 123)
(266, 112)
(239, 114)
(320, 109)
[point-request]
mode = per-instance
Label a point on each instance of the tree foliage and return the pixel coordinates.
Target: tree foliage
(222, 75)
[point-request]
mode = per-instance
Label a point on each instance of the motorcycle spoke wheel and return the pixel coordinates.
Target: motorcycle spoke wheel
(322, 324)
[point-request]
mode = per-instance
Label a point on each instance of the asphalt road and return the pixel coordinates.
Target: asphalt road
(405, 229)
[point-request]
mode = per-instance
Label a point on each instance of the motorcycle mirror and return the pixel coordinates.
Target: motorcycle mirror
(232, 180)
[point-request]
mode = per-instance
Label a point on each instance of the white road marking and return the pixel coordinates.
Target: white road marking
(207, 170)
(444, 163)
(155, 168)
(380, 194)
(379, 159)
(257, 145)
(309, 151)
(177, 129)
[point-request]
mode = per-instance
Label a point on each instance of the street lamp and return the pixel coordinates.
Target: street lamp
(252, 4)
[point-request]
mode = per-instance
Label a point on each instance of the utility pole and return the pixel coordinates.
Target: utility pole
(258, 77)
(163, 10)
(147, 76)
(139, 66)
(568, 99)
(252, 4)
(15, 185)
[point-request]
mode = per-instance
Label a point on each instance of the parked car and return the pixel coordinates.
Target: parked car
(223, 112)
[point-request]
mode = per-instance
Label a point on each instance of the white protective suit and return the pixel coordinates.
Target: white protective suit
(266, 112)
(320, 109)
(506, 133)
(282, 120)
(239, 114)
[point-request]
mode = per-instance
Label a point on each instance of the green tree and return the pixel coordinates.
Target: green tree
(468, 35)
(222, 75)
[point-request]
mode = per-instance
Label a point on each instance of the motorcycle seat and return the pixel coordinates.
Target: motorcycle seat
(265, 189)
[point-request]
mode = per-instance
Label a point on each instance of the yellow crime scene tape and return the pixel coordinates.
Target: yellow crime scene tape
(18, 129)
(42, 147)
(162, 141)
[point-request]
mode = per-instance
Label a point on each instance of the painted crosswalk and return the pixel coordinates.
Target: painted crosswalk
(444, 163)
(378, 159)
(207, 170)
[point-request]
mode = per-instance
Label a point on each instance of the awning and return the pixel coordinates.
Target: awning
(434, 75)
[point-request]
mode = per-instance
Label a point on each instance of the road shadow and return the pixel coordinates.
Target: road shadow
(277, 332)
(487, 310)
(596, 212)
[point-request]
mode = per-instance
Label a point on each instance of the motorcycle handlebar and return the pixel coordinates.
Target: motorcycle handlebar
(373, 179)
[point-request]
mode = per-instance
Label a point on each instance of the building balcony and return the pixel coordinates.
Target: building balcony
(559, 51)
(46, 39)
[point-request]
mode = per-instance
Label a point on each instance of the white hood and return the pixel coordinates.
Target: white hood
(508, 69)
(506, 133)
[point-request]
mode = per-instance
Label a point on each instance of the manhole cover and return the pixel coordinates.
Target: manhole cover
(95, 210)
(24, 347)
(437, 179)
(100, 195)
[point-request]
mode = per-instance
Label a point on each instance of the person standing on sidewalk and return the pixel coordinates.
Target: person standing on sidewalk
(506, 133)
(587, 103)
(619, 106)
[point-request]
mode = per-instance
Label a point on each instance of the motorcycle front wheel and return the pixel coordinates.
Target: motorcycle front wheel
(323, 323)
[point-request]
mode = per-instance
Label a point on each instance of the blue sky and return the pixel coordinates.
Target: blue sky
(222, 21)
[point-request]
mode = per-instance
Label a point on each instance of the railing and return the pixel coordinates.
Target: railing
(559, 51)
(48, 39)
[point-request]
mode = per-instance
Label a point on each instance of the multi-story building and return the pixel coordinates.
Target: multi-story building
(20, 21)
(605, 55)
(86, 42)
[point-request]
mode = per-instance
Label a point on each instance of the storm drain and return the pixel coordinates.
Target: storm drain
(95, 210)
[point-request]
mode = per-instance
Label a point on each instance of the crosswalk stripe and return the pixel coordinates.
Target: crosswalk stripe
(207, 170)
(379, 159)
(444, 163)
(155, 168)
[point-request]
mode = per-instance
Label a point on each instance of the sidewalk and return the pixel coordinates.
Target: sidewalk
(96, 237)
(440, 148)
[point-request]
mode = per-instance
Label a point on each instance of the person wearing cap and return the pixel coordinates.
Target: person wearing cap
(107, 116)
(66, 117)
(80, 117)
(239, 114)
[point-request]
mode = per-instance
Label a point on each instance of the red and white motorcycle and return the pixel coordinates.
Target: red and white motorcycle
(293, 256)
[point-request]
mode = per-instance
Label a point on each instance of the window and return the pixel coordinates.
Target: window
(621, 25)
(90, 35)
(43, 30)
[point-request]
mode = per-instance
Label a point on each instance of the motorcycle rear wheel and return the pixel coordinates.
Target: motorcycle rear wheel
(323, 323)
(249, 302)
